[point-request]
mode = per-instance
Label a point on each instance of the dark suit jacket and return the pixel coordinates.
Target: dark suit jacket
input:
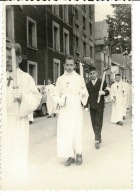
(93, 91)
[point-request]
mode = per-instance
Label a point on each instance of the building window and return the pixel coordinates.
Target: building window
(56, 69)
(31, 33)
(10, 23)
(84, 48)
(77, 43)
(76, 13)
(77, 46)
(84, 23)
(66, 41)
(91, 55)
(56, 36)
(66, 13)
(90, 28)
(90, 10)
(55, 9)
(32, 70)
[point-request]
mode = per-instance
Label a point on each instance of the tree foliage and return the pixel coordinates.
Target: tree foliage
(119, 29)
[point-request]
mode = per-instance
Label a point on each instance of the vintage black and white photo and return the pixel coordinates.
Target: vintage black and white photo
(68, 96)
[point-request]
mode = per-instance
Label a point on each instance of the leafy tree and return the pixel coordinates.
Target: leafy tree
(119, 29)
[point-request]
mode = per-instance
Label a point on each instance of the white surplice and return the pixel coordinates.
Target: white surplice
(16, 135)
(70, 117)
(49, 89)
(117, 94)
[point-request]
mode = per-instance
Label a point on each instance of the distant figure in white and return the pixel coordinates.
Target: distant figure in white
(21, 102)
(49, 89)
(117, 97)
(125, 97)
(70, 92)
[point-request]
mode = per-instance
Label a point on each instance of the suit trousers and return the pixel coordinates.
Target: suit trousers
(97, 122)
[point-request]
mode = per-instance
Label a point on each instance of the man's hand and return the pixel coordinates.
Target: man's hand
(17, 94)
(101, 93)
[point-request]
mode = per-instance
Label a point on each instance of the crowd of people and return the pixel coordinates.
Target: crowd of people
(65, 98)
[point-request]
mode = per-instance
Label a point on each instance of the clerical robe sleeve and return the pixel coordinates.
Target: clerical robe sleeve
(83, 92)
(30, 97)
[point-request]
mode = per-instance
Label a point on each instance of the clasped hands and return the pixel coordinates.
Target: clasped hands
(17, 95)
(101, 93)
(62, 101)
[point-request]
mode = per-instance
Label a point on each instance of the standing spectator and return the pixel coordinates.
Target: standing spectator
(49, 89)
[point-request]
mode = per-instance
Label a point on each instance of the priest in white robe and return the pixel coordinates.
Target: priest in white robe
(70, 93)
(19, 104)
(117, 96)
(49, 90)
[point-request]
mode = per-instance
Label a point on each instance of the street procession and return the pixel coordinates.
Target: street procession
(68, 97)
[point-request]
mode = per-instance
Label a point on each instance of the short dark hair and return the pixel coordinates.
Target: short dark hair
(92, 69)
(117, 75)
(16, 46)
(69, 58)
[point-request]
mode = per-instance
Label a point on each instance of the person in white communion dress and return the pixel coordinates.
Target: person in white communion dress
(70, 91)
(20, 103)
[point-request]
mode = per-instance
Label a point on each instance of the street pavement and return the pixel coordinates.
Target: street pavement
(110, 167)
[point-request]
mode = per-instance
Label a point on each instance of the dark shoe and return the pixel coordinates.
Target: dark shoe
(100, 141)
(69, 161)
(97, 145)
(49, 117)
(30, 122)
(54, 115)
(79, 159)
(120, 123)
(117, 123)
(123, 117)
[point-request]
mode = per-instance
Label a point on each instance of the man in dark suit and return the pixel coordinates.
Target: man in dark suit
(96, 109)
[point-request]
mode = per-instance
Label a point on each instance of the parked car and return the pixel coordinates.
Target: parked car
(42, 108)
